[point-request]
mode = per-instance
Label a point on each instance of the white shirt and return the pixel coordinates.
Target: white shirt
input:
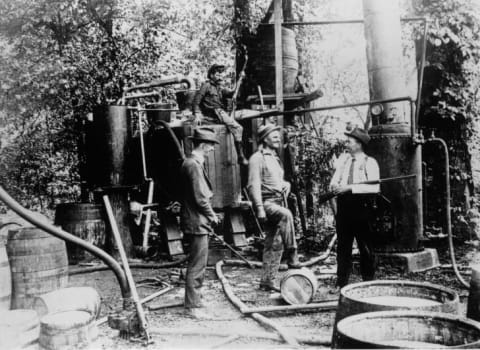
(198, 157)
(364, 169)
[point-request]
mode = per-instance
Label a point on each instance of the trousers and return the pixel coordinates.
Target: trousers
(232, 125)
(197, 263)
(280, 235)
(353, 222)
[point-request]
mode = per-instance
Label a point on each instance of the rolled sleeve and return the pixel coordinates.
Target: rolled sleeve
(255, 181)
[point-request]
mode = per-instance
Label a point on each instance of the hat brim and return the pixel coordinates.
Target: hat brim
(269, 132)
(204, 140)
(363, 142)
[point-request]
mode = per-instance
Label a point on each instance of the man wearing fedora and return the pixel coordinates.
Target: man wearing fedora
(354, 206)
(197, 216)
(268, 191)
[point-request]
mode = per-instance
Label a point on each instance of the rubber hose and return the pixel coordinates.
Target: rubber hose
(447, 211)
(59, 233)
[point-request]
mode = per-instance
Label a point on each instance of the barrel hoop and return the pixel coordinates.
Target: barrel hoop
(44, 273)
(4, 264)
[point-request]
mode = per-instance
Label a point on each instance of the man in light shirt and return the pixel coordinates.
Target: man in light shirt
(268, 191)
(354, 206)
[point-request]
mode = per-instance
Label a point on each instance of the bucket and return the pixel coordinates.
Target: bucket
(5, 278)
(407, 330)
(68, 329)
(84, 220)
(38, 263)
(68, 299)
(161, 111)
(19, 329)
(298, 286)
(387, 295)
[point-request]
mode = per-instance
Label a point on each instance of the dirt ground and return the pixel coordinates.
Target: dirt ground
(245, 284)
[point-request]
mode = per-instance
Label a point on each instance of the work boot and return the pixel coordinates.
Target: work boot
(242, 160)
(269, 286)
(293, 261)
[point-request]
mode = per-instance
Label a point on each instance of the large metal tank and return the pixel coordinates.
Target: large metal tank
(399, 223)
(261, 69)
(221, 166)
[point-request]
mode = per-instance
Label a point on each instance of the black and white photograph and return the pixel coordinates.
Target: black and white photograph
(239, 174)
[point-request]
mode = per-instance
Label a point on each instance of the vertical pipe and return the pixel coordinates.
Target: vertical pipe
(277, 11)
(384, 56)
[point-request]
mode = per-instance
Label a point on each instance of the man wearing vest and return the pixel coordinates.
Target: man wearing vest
(354, 206)
(268, 191)
(197, 217)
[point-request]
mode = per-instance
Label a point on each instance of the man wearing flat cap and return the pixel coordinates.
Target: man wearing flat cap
(197, 216)
(209, 107)
(268, 191)
(354, 206)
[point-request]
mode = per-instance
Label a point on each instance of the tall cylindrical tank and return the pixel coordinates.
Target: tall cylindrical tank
(399, 221)
(111, 144)
(261, 69)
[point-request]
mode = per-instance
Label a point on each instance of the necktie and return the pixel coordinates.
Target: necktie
(350, 172)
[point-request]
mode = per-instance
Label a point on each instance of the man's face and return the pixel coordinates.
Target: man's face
(273, 140)
(353, 145)
(217, 76)
(207, 147)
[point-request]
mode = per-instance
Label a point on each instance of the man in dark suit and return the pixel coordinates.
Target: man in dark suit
(197, 217)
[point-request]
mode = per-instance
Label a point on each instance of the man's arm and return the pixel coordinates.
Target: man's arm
(201, 192)
(255, 184)
(373, 173)
(198, 98)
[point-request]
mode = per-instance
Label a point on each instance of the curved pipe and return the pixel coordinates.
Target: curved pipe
(174, 138)
(174, 79)
(447, 209)
(59, 233)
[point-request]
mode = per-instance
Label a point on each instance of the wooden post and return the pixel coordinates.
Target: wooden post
(277, 16)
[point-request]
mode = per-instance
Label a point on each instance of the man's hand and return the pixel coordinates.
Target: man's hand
(286, 188)
(198, 118)
(215, 220)
(341, 189)
(261, 215)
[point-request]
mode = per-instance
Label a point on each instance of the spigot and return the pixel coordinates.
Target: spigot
(419, 139)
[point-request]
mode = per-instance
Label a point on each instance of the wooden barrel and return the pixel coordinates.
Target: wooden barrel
(69, 299)
(19, 329)
(261, 70)
(5, 278)
(221, 166)
(387, 295)
(84, 220)
(38, 262)
(298, 286)
(407, 330)
(68, 329)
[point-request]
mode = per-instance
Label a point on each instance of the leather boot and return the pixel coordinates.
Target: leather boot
(293, 261)
(242, 160)
(271, 264)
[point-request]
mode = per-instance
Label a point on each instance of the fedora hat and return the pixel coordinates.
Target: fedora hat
(204, 134)
(267, 129)
(360, 135)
